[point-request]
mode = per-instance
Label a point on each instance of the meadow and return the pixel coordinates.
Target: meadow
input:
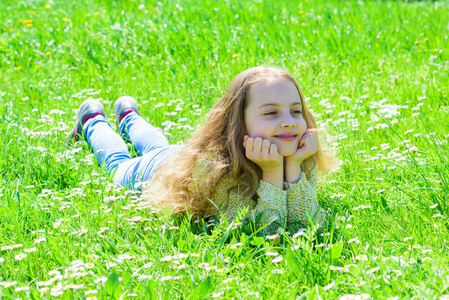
(375, 74)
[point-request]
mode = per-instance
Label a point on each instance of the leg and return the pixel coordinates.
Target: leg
(144, 136)
(108, 146)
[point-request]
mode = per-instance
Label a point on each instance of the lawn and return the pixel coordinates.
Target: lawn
(375, 74)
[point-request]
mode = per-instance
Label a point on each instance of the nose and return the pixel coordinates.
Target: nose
(287, 121)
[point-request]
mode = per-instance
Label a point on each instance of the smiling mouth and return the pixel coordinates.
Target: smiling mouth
(286, 137)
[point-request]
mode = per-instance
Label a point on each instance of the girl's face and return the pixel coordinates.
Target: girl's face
(274, 112)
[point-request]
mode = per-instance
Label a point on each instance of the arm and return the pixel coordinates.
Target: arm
(228, 202)
(301, 197)
(271, 203)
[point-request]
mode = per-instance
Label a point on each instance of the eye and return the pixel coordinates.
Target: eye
(270, 113)
(297, 111)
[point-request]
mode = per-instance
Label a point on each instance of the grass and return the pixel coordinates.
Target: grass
(375, 73)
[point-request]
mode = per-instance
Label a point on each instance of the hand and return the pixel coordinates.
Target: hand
(263, 153)
(308, 145)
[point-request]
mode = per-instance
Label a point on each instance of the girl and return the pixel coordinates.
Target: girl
(258, 149)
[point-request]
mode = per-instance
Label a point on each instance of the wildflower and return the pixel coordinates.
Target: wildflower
(300, 232)
(43, 283)
(273, 237)
(18, 68)
(393, 298)
(329, 286)
(29, 250)
(7, 284)
(39, 240)
(234, 55)
(168, 277)
(371, 271)
(362, 296)
(48, 53)
(434, 206)
(203, 265)
(181, 255)
(354, 240)
(110, 264)
(218, 294)
(2, 259)
(56, 292)
(235, 246)
(277, 259)
(22, 288)
(272, 254)
(67, 20)
(47, 6)
(57, 224)
(101, 280)
(347, 297)
(122, 257)
(362, 257)
(54, 272)
(226, 281)
(89, 265)
(277, 271)
(142, 277)
(20, 256)
(166, 258)
(334, 268)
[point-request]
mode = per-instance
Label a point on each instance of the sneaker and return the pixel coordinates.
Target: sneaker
(123, 106)
(88, 109)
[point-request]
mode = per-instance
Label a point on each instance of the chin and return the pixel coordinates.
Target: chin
(286, 152)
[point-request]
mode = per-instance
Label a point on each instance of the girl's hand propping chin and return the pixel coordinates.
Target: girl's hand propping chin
(263, 153)
(308, 145)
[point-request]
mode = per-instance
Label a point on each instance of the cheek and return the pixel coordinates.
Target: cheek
(302, 125)
(259, 129)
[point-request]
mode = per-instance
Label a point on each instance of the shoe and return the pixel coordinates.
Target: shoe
(123, 106)
(88, 109)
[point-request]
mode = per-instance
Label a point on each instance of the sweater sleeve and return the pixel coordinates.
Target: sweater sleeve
(271, 205)
(227, 199)
(302, 198)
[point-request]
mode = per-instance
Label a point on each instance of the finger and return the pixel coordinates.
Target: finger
(306, 133)
(273, 149)
(249, 144)
(266, 147)
(245, 138)
(258, 144)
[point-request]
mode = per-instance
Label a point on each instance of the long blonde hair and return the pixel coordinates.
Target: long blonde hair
(221, 134)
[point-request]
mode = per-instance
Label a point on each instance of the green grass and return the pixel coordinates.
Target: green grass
(383, 68)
